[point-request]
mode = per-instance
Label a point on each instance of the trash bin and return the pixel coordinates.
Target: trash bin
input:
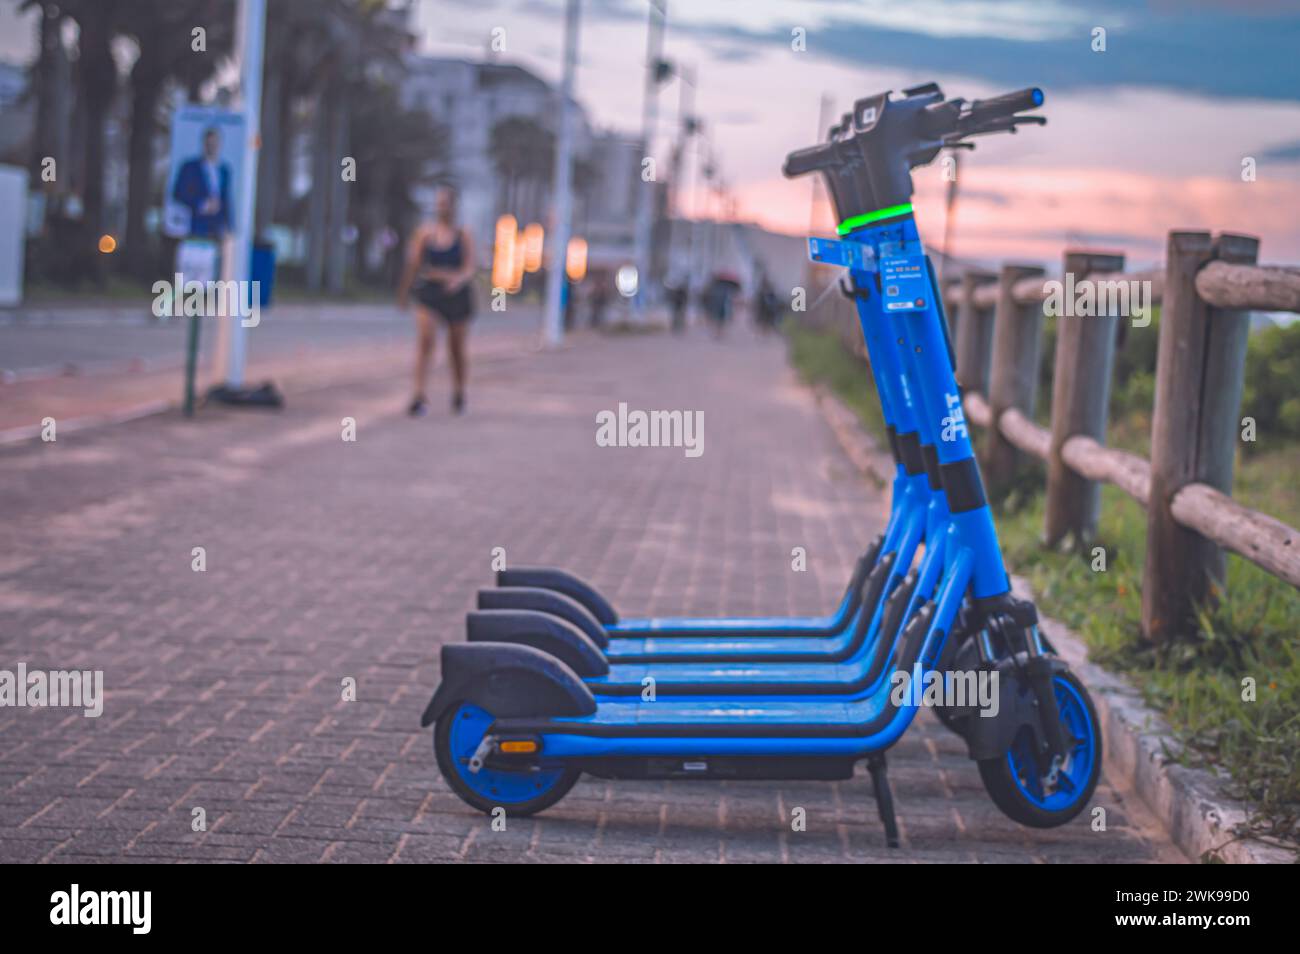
(262, 269)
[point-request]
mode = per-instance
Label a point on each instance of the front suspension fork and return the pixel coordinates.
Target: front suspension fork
(1041, 673)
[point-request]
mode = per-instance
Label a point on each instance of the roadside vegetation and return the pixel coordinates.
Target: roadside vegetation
(1251, 633)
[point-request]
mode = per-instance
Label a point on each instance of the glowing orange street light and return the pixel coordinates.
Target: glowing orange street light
(533, 235)
(503, 252)
(575, 259)
(516, 266)
(107, 244)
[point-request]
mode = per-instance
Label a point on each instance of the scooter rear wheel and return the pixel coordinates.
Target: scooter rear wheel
(1014, 782)
(524, 792)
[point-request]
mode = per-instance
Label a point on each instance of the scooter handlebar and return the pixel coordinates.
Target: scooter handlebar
(814, 158)
(1008, 104)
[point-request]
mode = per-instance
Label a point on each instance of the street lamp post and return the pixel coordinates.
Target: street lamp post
(249, 41)
(561, 228)
(657, 17)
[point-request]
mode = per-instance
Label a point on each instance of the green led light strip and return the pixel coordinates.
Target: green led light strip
(858, 221)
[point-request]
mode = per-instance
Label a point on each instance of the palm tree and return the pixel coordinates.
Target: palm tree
(49, 84)
(162, 32)
(96, 83)
(396, 150)
(523, 153)
(335, 44)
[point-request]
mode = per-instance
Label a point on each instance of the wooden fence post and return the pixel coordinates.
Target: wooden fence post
(1200, 372)
(1085, 354)
(974, 335)
(951, 292)
(1013, 375)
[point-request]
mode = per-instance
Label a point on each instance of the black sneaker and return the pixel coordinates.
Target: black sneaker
(419, 407)
(458, 404)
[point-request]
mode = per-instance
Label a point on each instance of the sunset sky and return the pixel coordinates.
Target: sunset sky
(1147, 136)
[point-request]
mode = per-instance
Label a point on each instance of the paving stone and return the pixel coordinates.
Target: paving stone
(328, 559)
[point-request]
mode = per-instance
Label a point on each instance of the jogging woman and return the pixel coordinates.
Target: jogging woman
(439, 268)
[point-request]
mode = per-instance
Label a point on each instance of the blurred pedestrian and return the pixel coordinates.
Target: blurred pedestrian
(718, 301)
(439, 269)
(599, 298)
(766, 310)
(678, 295)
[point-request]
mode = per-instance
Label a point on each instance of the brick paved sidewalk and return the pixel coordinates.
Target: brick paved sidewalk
(328, 559)
(85, 364)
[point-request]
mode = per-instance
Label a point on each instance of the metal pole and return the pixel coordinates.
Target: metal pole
(949, 214)
(249, 42)
(191, 364)
(562, 227)
(649, 106)
(818, 198)
(676, 179)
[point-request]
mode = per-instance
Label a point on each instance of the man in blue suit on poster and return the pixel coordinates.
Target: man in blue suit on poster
(203, 187)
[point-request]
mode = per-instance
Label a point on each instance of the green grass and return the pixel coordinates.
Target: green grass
(1196, 683)
(116, 291)
(820, 358)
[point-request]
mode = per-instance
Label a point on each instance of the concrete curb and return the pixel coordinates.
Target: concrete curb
(488, 354)
(18, 435)
(1140, 750)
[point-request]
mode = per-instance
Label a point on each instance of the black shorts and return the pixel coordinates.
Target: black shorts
(454, 307)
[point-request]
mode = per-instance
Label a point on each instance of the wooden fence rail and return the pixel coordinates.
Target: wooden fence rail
(1205, 290)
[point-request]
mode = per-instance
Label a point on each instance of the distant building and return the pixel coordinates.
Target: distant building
(606, 186)
(471, 99)
(17, 114)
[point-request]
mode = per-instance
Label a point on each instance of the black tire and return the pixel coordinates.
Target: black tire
(1007, 794)
(446, 765)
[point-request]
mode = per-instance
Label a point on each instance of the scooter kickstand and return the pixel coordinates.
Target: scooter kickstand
(884, 797)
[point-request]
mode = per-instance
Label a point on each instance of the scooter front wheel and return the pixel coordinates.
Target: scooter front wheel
(1018, 787)
(524, 792)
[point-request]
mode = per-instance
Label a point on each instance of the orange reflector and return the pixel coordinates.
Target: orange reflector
(519, 747)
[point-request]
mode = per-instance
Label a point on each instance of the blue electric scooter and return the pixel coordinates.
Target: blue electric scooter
(516, 726)
(558, 613)
(677, 639)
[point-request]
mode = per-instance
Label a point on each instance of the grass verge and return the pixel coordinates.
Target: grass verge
(1231, 691)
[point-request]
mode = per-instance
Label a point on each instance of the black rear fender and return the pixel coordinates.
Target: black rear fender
(545, 601)
(550, 634)
(508, 681)
(566, 583)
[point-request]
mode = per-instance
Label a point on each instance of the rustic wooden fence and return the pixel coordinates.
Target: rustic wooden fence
(1205, 290)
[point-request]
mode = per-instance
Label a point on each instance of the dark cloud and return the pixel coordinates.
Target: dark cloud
(1201, 48)
(1285, 152)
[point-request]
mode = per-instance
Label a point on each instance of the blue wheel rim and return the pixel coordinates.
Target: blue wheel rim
(1072, 781)
(469, 725)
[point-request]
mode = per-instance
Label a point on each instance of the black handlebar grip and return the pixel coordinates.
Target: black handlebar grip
(803, 161)
(1007, 104)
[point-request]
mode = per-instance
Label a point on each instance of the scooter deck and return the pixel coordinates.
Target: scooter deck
(762, 717)
(697, 627)
(685, 649)
(871, 651)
